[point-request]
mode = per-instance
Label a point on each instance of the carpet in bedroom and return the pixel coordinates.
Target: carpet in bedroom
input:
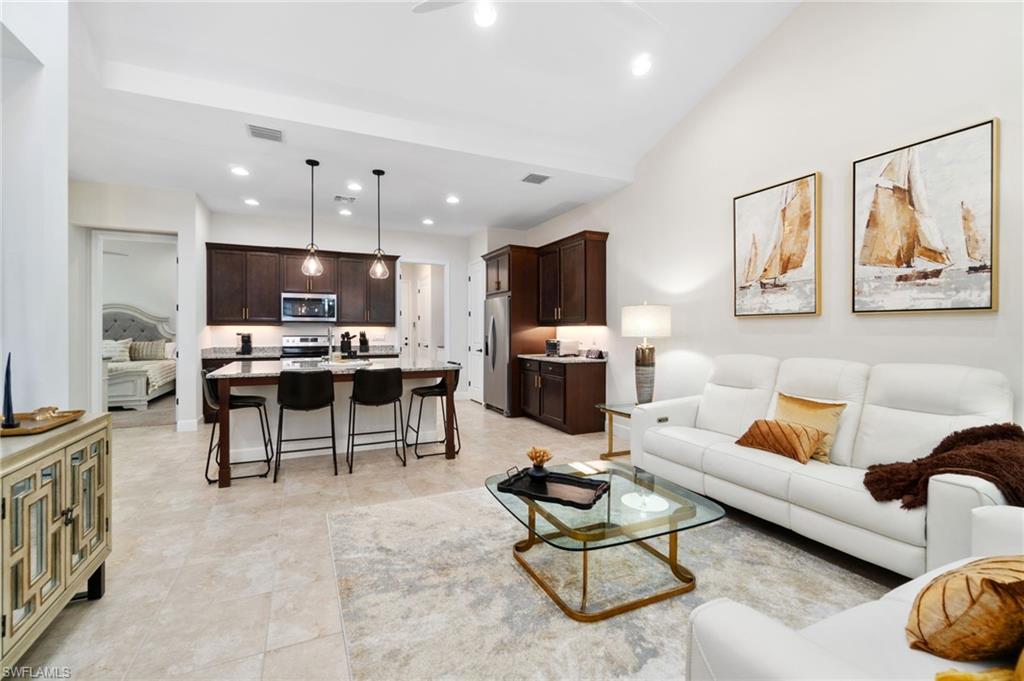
(160, 413)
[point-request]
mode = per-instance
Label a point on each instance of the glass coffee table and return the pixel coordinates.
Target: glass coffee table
(638, 507)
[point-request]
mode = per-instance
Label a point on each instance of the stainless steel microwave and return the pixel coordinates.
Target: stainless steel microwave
(309, 307)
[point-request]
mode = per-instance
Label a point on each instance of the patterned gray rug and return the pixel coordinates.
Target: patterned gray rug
(429, 589)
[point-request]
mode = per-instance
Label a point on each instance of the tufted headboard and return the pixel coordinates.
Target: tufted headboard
(127, 321)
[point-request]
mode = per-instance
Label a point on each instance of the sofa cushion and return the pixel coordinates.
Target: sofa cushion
(681, 444)
(738, 392)
(828, 380)
(839, 492)
(909, 408)
(793, 440)
(872, 636)
(751, 468)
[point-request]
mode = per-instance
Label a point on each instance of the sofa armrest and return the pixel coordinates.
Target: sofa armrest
(997, 531)
(950, 500)
(731, 641)
(681, 411)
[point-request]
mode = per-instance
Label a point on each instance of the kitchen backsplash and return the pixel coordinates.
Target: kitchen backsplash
(225, 336)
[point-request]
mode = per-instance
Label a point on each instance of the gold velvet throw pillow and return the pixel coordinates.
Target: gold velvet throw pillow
(973, 612)
(793, 440)
(821, 415)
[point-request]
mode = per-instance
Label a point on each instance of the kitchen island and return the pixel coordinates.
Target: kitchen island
(260, 376)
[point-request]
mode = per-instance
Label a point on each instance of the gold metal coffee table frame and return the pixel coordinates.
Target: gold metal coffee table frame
(673, 524)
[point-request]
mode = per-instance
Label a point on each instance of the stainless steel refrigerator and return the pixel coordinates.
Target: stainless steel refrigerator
(497, 339)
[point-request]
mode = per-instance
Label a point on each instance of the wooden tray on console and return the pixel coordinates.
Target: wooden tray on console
(30, 426)
(557, 488)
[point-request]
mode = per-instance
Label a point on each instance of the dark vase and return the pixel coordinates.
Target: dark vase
(537, 472)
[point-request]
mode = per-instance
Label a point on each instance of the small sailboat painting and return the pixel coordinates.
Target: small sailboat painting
(782, 280)
(923, 225)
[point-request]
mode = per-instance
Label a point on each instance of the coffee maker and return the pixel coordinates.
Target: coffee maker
(244, 344)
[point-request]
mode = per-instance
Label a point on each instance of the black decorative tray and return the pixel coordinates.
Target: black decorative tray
(558, 488)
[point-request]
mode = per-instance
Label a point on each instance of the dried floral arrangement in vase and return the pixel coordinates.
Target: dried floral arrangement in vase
(539, 456)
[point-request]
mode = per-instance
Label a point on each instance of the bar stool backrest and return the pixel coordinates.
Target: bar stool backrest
(210, 392)
(377, 386)
(305, 390)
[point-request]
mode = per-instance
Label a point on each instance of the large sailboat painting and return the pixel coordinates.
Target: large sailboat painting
(783, 278)
(924, 225)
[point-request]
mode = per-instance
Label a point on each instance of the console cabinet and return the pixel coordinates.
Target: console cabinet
(562, 394)
(572, 274)
(56, 533)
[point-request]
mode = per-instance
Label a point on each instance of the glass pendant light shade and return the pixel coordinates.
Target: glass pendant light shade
(311, 266)
(379, 268)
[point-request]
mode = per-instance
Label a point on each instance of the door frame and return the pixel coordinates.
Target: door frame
(474, 267)
(98, 239)
(447, 297)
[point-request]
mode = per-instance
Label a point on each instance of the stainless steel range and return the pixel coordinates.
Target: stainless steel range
(304, 346)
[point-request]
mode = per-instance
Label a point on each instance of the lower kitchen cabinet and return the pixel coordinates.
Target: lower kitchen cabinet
(563, 394)
(56, 526)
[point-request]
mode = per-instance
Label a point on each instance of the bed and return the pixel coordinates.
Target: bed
(134, 384)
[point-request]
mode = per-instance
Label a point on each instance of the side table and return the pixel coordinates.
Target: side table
(612, 410)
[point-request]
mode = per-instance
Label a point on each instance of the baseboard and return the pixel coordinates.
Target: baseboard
(188, 425)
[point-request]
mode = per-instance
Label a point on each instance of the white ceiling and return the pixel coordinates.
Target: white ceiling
(161, 93)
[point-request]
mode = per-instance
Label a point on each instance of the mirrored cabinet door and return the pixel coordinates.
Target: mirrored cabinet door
(87, 500)
(33, 564)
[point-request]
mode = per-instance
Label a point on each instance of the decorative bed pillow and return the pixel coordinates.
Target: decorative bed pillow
(144, 350)
(973, 612)
(821, 415)
(171, 350)
(117, 350)
(793, 440)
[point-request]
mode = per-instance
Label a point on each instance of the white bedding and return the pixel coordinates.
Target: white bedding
(158, 371)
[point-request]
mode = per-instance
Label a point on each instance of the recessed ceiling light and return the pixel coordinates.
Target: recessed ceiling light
(428, 221)
(355, 187)
(252, 202)
(240, 171)
(484, 14)
(345, 211)
(641, 64)
(452, 199)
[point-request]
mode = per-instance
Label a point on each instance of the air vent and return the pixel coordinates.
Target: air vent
(259, 132)
(536, 178)
(344, 199)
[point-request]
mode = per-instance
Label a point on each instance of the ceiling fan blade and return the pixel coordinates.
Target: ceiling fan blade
(632, 4)
(433, 5)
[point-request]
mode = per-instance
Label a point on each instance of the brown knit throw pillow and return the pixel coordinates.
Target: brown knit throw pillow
(793, 440)
(973, 612)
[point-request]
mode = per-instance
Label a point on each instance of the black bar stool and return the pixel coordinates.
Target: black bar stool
(304, 391)
(375, 388)
(256, 402)
(439, 390)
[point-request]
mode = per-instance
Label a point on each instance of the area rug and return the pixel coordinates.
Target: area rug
(429, 589)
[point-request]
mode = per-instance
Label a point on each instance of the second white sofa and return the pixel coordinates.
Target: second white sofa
(895, 412)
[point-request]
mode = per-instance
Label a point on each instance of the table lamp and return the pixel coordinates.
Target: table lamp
(646, 321)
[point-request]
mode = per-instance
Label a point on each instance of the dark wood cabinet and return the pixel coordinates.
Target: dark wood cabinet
(563, 395)
(294, 281)
(498, 273)
(244, 285)
(573, 280)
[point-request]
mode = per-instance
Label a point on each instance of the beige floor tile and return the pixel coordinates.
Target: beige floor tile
(302, 614)
(321, 658)
(224, 579)
(303, 565)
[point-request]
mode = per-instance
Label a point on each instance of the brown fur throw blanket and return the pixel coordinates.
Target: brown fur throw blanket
(995, 453)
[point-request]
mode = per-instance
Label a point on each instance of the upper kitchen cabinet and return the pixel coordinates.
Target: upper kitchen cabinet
(497, 271)
(573, 279)
(362, 299)
(243, 285)
(294, 281)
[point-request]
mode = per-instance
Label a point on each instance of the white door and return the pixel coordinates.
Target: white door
(475, 334)
(407, 315)
(424, 350)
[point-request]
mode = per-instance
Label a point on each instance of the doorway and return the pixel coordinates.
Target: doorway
(475, 332)
(423, 313)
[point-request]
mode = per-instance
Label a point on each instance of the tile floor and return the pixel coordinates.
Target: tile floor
(238, 583)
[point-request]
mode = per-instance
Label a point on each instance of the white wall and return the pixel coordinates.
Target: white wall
(413, 247)
(142, 274)
(835, 82)
(34, 227)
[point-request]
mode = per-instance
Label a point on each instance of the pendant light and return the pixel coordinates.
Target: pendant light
(379, 269)
(311, 266)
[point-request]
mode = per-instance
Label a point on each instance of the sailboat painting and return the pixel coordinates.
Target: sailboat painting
(775, 249)
(925, 225)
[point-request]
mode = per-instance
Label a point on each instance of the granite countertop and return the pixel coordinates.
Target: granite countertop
(572, 359)
(274, 352)
(273, 368)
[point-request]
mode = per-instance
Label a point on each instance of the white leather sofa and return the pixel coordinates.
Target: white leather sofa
(731, 642)
(895, 412)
